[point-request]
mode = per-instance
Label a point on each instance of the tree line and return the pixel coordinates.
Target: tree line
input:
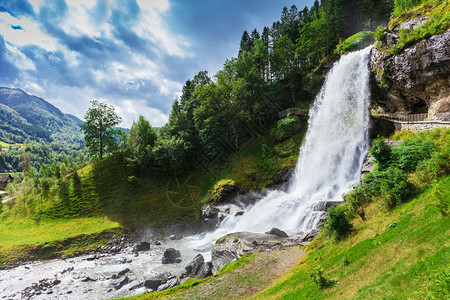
(266, 76)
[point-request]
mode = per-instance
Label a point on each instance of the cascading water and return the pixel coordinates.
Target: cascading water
(330, 157)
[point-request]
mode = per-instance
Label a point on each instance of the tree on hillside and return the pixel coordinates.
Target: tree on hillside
(99, 132)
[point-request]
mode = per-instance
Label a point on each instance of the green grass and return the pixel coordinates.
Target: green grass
(354, 42)
(398, 254)
(27, 231)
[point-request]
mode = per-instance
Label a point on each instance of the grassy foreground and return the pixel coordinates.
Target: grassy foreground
(401, 254)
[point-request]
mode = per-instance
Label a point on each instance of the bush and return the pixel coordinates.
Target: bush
(317, 276)
(380, 33)
(382, 152)
(337, 224)
(410, 153)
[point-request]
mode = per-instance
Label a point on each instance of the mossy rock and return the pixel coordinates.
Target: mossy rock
(222, 190)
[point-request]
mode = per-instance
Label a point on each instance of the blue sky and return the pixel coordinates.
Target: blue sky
(133, 54)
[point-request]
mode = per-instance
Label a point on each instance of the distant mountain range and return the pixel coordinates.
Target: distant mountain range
(23, 116)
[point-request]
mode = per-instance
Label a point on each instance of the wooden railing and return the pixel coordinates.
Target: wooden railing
(443, 117)
(292, 111)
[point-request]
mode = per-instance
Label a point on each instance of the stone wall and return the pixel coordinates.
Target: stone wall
(420, 126)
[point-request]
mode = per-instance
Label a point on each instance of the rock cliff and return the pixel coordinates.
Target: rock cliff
(416, 80)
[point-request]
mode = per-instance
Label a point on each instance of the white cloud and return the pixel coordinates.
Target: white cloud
(31, 34)
(18, 58)
(152, 25)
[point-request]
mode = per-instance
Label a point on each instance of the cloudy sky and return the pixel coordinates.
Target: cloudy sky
(133, 54)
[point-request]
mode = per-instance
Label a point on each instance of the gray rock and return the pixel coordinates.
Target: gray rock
(194, 266)
(169, 284)
(123, 272)
(171, 256)
(155, 281)
(118, 285)
(417, 77)
(277, 232)
(176, 237)
(142, 246)
(206, 270)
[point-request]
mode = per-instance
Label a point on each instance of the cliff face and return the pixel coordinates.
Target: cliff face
(417, 79)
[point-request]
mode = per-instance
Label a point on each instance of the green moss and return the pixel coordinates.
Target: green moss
(354, 42)
(218, 190)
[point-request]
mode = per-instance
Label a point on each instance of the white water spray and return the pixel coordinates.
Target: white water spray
(330, 158)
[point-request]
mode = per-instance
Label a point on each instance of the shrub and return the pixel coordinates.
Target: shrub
(380, 33)
(381, 151)
(337, 224)
(317, 276)
(411, 152)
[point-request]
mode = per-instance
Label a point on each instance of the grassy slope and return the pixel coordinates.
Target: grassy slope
(408, 260)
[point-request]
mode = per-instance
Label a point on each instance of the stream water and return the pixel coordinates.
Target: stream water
(330, 161)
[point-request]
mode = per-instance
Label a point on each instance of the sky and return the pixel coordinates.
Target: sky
(133, 54)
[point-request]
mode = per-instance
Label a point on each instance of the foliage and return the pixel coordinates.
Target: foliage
(337, 224)
(354, 42)
(99, 132)
(317, 276)
(410, 153)
(381, 151)
(380, 33)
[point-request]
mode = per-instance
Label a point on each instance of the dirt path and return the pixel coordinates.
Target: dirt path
(249, 279)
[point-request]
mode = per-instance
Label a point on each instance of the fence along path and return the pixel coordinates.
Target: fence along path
(292, 111)
(413, 118)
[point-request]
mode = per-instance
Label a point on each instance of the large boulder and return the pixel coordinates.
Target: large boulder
(234, 245)
(277, 232)
(171, 256)
(194, 266)
(154, 282)
(142, 246)
(206, 270)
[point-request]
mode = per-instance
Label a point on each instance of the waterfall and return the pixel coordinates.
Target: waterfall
(330, 158)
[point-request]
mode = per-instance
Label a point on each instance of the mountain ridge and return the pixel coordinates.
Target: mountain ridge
(24, 116)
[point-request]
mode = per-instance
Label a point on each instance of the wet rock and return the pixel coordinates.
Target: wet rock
(368, 165)
(142, 246)
(123, 272)
(277, 232)
(206, 270)
(239, 213)
(171, 256)
(311, 235)
(176, 237)
(169, 284)
(136, 286)
(55, 282)
(92, 257)
(209, 212)
(325, 205)
(282, 177)
(118, 285)
(194, 266)
(157, 243)
(155, 281)
(70, 269)
(87, 279)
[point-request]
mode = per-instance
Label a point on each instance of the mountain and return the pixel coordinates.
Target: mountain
(23, 116)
